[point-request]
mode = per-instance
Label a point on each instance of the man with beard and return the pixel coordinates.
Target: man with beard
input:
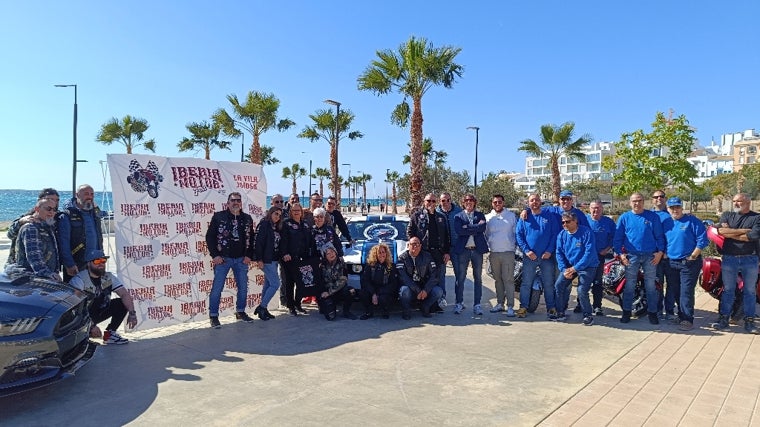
(46, 193)
(418, 274)
(432, 229)
(36, 247)
(97, 285)
(79, 231)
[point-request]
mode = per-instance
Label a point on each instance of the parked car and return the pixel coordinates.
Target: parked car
(44, 332)
(367, 232)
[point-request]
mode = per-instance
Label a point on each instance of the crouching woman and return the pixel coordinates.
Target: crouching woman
(336, 289)
(379, 281)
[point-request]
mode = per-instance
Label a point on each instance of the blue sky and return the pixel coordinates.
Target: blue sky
(607, 66)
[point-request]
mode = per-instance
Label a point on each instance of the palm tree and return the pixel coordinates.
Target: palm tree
(256, 116)
(205, 136)
(355, 180)
(348, 183)
(363, 179)
(267, 158)
(341, 182)
(294, 172)
(324, 128)
(129, 131)
(415, 68)
(392, 177)
(438, 159)
(321, 174)
(556, 142)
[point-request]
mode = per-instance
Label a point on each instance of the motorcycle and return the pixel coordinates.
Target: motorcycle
(711, 279)
(613, 283)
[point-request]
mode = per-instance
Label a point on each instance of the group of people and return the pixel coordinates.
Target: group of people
(300, 253)
(46, 241)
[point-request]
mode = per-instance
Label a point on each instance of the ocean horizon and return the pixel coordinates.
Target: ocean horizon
(18, 202)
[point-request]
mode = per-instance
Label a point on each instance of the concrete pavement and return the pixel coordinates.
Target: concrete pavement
(447, 370)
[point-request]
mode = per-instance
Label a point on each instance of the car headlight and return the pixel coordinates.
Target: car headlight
(356, 268)
(19, 326)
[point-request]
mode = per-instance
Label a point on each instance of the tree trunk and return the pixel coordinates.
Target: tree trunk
(415, 186)
(295, 190)
(393, 197)
(256, 152)
(555, 181)
(334, 167)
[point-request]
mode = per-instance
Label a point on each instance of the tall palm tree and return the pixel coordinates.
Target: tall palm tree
(355, 181)
(363, 179)
(267, 156)
(129, 131)
(392, 177)
(204, 136)
(556, 141)
(257, 115)
(341, 182)
(294, 172)
(411, 71)
(323, 127)
(438, 156)
(348, 183)
(321, 174)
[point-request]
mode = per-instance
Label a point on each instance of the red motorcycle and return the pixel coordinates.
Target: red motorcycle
(613, 283)
(712, 281)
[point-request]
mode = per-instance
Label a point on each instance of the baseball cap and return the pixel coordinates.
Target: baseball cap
(675, 201)
(94, 254)
(565, 193)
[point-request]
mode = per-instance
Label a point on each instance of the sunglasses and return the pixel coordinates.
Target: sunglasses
(430, 200)
(566, 222)
(276, 201)
(658, 197)
(497, 202)
(99, 261)
(236, 200)
(445, 200)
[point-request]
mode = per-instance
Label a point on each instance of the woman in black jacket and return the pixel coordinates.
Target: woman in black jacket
(379, 282)
(296, 245)
(266, 254)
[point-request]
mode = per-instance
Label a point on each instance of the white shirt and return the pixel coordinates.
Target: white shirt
(500, 231)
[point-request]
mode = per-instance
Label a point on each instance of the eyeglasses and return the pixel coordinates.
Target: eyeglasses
(445, 200)
(567, 221)
(430, 200)
(277, 201)
(316, 200)
(566, 198)
(319, 216)
(99, 261)
(330, 203)
(236, 200)
(498, 202)
(415, 244)
(658, 197)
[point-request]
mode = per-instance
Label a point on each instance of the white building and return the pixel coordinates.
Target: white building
(571, 170)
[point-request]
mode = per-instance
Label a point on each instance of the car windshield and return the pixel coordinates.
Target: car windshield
(385, 230)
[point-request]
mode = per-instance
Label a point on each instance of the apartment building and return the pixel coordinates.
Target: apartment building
(571, 170)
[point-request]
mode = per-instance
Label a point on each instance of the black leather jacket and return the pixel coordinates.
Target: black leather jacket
(425, 267)
(419, 226)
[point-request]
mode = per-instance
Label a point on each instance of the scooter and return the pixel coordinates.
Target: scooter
(613, 283)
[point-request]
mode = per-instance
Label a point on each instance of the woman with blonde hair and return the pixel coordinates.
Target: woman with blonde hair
(379, 282)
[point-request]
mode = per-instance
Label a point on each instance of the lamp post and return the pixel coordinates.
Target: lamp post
(334, 172)
(356, 190)
(310, 160)
(348, 180)
(387, 172)
(242, 146)
(74, 159)
(475, 185)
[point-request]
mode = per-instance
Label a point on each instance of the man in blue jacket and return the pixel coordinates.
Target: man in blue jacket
(449, 209)
(686, 237)
(576, 257)
(470, 246)
(640, 242)
(537, 238)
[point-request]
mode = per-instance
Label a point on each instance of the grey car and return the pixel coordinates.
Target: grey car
(44, 332)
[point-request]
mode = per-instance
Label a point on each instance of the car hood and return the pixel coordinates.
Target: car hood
(27, 296)
(357, 254)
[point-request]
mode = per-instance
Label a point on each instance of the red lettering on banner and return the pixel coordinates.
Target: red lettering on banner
(147, 293)
(134, 209)
(198, 179)
(171, 209)
(202, 208)
(253, 300)
(160, 312)
(259, 279)
(138, 252)
(230, 283)
(205, 286)
(175, 249)
(191, 268)
(226, 303)
(255, 210)
(157, 271)
(154, 229)
(201, 247)
(175, 290)
(188, 228)
(193, 308)
(246, 182)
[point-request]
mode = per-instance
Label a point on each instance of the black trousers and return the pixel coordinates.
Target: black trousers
(384, 300)
(329, 304)
(114, 310)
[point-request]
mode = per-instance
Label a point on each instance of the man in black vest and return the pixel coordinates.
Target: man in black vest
(79, 231)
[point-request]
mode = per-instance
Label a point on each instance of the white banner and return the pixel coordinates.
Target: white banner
(162, 209)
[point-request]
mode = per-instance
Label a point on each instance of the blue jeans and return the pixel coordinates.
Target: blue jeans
(271, 283)
(547, 277)
(644, 262)
(731, 266)
(562, 288)
(467, 257)
(406, 296)
(682, 280)
(240, 271)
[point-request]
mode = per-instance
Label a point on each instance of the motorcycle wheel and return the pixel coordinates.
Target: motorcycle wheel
(535, 299)
(639, 304)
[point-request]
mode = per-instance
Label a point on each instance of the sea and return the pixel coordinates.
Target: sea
(17, 202)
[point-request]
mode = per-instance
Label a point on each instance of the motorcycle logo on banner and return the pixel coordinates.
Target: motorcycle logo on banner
(161, 254)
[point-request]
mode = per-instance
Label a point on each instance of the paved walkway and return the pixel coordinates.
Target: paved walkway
(697, 378)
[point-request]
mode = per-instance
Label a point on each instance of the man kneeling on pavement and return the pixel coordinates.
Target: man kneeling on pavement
(97, 285)
(419, 276)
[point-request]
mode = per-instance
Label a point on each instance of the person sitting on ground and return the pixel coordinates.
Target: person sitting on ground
(13, 229)
(98, 284)
(418, 275)
(379, 282)
(336, 289)
(36, 245)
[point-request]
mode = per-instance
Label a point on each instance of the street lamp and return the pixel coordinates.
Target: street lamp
(387, 172)
(242, 146)
(74, 159)
(348, 180)
(475, 186)
(336, 187)
(356, 189)
(304, 152)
